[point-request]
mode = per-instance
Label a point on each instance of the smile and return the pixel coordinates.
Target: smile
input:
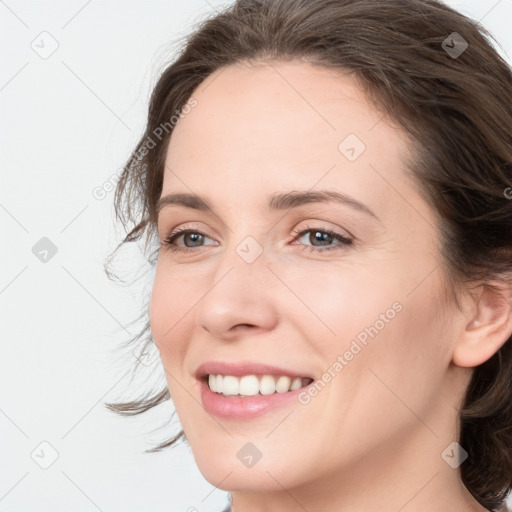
(251, 385)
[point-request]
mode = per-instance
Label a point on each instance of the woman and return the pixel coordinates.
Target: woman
(329, 184)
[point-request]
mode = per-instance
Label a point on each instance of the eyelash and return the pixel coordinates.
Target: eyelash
(169, 241)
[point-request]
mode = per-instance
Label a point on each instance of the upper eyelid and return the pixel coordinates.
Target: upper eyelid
(318, 225)
(183, 227)
(297, 233)
(312, 224)
(311, 220)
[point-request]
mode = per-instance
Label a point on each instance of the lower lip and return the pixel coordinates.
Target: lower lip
(244, 407)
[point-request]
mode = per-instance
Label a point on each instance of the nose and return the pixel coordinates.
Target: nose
(240, 298)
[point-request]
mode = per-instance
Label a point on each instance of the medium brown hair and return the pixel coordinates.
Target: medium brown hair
(457, 110)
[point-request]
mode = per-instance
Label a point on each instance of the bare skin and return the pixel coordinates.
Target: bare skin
(373, 437)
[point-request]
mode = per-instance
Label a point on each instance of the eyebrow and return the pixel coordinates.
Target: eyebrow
(277, 201)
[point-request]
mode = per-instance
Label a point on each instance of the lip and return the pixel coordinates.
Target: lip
(247, 407)
(244, 407)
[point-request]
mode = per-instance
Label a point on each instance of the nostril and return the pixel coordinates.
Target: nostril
(245, 325)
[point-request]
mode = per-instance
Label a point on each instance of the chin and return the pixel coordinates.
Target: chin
(230, 467)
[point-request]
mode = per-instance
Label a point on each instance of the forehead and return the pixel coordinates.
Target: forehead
(284, 125)
(294, 100)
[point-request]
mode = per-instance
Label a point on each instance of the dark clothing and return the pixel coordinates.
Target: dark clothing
(228, 506)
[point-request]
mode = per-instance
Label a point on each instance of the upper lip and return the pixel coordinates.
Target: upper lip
(240, 369)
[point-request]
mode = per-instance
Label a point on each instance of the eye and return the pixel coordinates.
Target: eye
(196, 237)
(324, 237)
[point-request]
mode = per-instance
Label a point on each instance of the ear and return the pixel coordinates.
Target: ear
(488, 325)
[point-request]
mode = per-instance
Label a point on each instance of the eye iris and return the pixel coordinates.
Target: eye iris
(195, 236)
(319, 236)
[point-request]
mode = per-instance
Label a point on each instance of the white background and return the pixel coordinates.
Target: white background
(68, 123)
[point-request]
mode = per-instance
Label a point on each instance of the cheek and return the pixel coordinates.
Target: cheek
(397, 373)
(342, 303)
(170, 307)
(390, 341)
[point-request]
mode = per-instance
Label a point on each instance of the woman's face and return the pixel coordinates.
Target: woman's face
(251, 291)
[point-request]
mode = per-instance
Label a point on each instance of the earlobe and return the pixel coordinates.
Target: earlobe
(487, 329)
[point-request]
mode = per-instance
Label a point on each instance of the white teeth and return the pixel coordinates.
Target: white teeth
(251, 385)
(283, 384)
(296, 384)
(212, 382)
(267, 385)
(218, 383)
(229, 385)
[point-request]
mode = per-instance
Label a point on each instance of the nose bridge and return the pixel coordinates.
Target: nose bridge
(239, 290)
(247, 246)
